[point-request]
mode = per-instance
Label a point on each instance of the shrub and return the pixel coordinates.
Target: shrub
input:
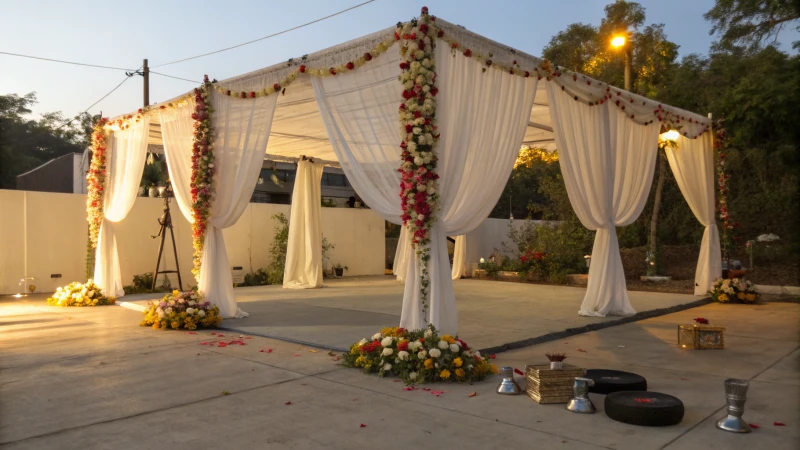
(278, 250)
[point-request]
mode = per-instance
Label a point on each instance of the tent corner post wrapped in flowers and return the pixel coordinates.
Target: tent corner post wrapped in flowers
(96, 180)
(202, 182)
(419, 187)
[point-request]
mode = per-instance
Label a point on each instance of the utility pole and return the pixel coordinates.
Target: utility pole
(628, 57)
(146, 75)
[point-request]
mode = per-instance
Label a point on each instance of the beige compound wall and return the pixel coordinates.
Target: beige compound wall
(44, 233)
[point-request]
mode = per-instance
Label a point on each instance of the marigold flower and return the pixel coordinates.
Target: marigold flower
(444, 374)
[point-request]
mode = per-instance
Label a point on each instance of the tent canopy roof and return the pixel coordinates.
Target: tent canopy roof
(297, 127)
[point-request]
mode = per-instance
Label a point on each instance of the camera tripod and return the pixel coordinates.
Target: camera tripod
(166, 222)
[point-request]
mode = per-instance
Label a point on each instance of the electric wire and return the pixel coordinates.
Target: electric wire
(62, 61)
(267, 37)
(177, 78)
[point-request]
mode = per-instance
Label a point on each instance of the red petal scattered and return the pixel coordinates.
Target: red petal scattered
(204, 343)
(581, 350)
(409, 388)
(362, 426)
(752, 425)
(779, 424)
(288, 403)
(493, 356)
(426, 389)
(297, 354)
(472, 394)
(519, 372)
(192, 332)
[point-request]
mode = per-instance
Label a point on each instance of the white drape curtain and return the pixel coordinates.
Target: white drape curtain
(304, 251)
(241, 133)
(607, 162)
(459, 258)
(692, 163)
(401, 255)
(482, 119)
(177, 131)
(128, 151)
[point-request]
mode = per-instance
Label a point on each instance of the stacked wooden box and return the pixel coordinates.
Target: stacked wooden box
(546, 385)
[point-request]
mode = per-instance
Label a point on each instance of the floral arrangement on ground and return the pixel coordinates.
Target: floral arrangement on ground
(726, 290)
(185, 310)
(419, 356)
(80, 294)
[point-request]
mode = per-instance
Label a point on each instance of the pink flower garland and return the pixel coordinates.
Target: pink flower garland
(96, 181)
(419, 188)
(202, 184)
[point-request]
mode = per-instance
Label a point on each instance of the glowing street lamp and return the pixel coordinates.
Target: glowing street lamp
(670, 136)
(618, 41)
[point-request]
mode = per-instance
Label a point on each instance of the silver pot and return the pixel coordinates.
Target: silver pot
(580, 402)
(735, 395)
(508, 386)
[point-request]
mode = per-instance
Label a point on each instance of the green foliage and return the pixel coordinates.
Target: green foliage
(549, 251)
(750, 23)
(155, 174)
(142, 284)
(328, 203)
(27, 143)
(258, 278)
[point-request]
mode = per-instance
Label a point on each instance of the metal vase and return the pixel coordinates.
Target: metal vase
(580, 402)
(735, 395)
(508, 386)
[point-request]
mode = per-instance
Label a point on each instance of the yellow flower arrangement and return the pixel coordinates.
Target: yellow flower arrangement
(444, 374)
(740, 295)
(750, 297)
(78, 294)
(726, 290)
(723, 298)
(181, 310)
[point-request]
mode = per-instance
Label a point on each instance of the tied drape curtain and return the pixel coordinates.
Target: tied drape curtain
(177, 134)
(692, 163)
(304, 251)
(482, 118)
(459, 258)
(401, 255)
(241, 133)
(128, 151)
(607, 162)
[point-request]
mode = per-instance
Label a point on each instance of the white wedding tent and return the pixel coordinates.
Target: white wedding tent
(340, 106)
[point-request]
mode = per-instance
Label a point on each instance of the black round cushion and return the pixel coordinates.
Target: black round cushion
(608, 381)
(651, 409)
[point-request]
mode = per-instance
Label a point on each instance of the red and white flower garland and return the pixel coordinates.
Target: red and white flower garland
(419, 187)
(202, 184)
(96, 180)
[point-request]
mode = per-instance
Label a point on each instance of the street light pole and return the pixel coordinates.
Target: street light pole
(628, 63)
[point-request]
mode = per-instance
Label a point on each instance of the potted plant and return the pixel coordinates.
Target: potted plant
(339, 269)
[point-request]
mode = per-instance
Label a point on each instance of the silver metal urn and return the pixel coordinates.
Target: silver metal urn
(735, 395)
(580, 402)
(508, 386)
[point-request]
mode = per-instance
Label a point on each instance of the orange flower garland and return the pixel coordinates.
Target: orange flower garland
(202, 184)
(96, 181)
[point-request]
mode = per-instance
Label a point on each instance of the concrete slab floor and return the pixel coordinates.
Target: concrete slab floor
(491, 313)
(91, 378)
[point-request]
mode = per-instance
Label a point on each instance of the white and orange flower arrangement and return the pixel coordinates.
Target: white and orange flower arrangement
(734, 289)
(419, 356)
(178, 310)
(419, 191)
(80, 294)
(96, 180)
(202, 183)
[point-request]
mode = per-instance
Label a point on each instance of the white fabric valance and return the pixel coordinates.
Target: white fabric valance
(692, 163)
(607, 162)
(127, 153)
(304, 251)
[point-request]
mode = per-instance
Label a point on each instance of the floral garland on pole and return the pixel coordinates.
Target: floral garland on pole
(202, 184)
(419, 188)
(96, 181)
(728, 224)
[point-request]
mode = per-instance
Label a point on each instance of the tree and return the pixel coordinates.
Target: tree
(26, 143)
(751, 23)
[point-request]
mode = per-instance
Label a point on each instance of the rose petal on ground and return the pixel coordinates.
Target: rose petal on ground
(472, 394)
(362, 426)
(409, 388)
(204, 343)
(779, 424)
(192, 332)
(288, 403)
(519, 372)
(426, 389)
(581, 350)
(297, 354)
(752, 425)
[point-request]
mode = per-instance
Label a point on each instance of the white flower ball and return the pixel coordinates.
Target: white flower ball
(362, 342)
(412, 376)
(435, 352)
(422, 355)
(418, 161)
(202, 313)
(376, 336)
(454, 348)
(443, 345)
(387, 341)
(402, 355)
(189, 310)
(428, 333)
(387, 352)
(387, 367)
(169, 310)
(417, 130)
(421, 217)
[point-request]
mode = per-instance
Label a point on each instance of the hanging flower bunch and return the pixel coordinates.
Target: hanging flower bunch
(96, 180)
(419, 356)
(202, 185)
(419, 188)
(728, 224)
